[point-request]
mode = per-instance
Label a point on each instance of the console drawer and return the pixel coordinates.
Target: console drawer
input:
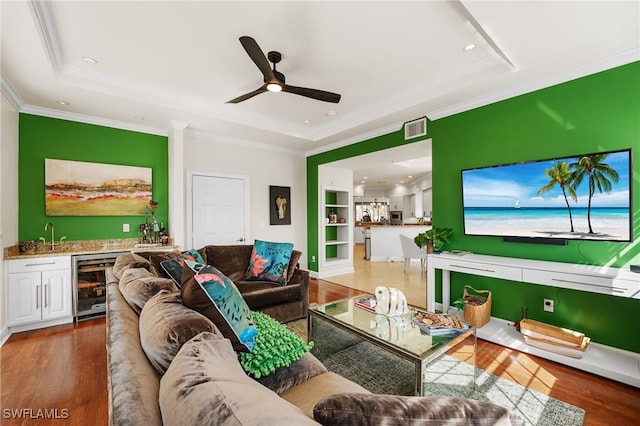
(486, 269)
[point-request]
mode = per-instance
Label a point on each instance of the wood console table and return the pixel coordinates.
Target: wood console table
(606, 361)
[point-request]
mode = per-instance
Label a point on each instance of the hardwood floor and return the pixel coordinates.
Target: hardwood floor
(606, 402)
(63, 370)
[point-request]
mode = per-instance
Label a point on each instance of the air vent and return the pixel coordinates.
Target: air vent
(416, 128)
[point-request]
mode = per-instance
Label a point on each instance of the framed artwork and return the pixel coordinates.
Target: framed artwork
(77, 188)
(280, 205)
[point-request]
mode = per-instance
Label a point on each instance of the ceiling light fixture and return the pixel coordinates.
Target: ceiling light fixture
(274, 87)
(61, 102)
(469, 47)
(89, 60)
(307, 121)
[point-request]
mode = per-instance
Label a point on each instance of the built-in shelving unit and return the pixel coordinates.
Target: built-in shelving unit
(336, 238)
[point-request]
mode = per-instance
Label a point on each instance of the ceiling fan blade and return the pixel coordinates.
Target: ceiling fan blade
(257, 56)
(249, 95)
(319, 95)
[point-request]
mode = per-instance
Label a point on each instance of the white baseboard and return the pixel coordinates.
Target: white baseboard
(4, 335)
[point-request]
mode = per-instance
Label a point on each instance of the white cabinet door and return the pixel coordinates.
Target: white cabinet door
(24, 298)
(56, 294)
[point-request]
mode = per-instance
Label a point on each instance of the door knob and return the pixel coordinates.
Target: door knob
(241, 239)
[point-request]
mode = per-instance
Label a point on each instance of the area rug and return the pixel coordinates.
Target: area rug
(362, 362)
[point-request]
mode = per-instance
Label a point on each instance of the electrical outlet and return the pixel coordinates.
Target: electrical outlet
(548, 305)
(313, 259)
(125, 227)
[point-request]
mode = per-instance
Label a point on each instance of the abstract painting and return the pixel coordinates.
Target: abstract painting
(77, 188)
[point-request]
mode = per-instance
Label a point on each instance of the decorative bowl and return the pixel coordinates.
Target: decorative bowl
(27, 246)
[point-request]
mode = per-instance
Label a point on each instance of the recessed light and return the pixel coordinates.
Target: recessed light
(307, 121)
(138, 117)
(469, 47)
(331, 113)
(401, 181)
(89, 60)
(363, 181)
(364, 177)
(61, 102)
(410, 177)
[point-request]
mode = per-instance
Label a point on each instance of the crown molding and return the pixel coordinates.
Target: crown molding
(216, 137)
(623, 58)
(89, 119)
(393, 127)
(10, 92)
(43, 14)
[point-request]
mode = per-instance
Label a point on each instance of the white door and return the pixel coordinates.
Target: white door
(219, 210)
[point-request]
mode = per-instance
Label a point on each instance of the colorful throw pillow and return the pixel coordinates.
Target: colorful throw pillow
(208, 291)
(269, 262)
(276, 346)
(173, 267)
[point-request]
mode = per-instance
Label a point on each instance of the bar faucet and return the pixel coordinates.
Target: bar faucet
(53, 238)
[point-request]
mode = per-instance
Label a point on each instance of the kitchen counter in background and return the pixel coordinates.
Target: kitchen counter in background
(385, 240)
(67, 248)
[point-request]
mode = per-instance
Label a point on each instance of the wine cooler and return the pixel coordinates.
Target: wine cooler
(89, 284)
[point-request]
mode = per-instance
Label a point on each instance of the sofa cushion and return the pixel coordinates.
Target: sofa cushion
(208, 291)
(129, 260)
(173, 267)
(158, 257)
(260, 294)
(357, 408)
(231, 260)
(166, 324)
(269, 262)
(293, 263)
(307, 394)
(138, 285)
(205, 385)
(275, 347)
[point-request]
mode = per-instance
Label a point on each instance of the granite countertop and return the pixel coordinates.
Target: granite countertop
(68, 248)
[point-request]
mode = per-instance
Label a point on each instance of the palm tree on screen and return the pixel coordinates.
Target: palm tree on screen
(560, 174)
(599, 175)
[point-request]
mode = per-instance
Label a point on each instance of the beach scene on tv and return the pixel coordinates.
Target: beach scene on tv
(582, 197)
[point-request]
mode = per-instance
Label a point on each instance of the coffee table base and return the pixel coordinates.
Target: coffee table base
(382, 368)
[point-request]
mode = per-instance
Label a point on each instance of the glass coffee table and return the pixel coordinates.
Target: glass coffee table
(391, 354)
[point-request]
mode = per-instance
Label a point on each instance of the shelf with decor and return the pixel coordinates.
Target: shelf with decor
(335, 226)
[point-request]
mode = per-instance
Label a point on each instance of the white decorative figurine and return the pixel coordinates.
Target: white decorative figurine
(390, 301)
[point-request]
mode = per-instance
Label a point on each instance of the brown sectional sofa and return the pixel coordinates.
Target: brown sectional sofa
(284, 303)
(169, 365)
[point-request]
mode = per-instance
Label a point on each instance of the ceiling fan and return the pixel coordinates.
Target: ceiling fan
(274, 80)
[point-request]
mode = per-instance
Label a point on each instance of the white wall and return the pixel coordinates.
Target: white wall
(8, 194)
(265, 168)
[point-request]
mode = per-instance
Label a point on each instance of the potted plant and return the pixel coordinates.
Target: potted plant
(434, 239)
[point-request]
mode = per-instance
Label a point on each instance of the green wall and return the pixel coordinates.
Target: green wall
(42, 137)
(597, 112)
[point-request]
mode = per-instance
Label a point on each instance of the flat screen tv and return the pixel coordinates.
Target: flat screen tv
(582, 197)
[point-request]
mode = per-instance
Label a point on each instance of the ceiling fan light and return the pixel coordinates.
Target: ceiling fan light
(274, 87)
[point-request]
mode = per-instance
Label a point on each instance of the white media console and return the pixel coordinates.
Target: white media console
(613, 363)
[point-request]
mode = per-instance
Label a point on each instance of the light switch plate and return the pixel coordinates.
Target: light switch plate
(125, 227)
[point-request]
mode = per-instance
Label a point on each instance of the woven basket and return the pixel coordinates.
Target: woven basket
(477, 307)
